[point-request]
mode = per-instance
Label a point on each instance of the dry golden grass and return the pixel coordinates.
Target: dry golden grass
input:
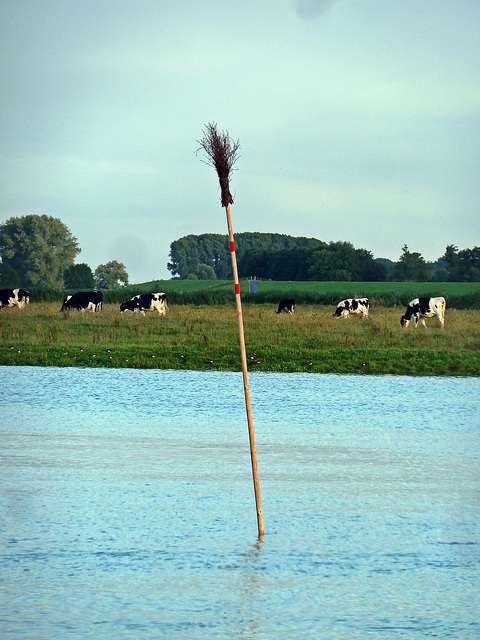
(207, 337)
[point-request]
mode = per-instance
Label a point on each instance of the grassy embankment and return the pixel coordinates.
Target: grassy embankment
(206, 336)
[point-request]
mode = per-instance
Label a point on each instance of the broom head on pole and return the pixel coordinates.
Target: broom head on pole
(222, 153)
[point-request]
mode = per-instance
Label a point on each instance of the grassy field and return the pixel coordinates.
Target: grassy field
(206, 337)
(358, 288)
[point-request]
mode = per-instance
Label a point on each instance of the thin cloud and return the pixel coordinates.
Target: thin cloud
(309, 9)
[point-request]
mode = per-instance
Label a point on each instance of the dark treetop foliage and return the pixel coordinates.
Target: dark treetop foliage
(79, 276)
(8, 277)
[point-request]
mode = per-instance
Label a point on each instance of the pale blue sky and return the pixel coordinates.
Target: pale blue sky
(358, 120)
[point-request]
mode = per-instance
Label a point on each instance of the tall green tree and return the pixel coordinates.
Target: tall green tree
(471, 261)
(340, 261)
(463, 266)
(190, 254)
(8, 277)
(332, 263)
(451, 258)
(78, 276)
(38, 248)
(411, 267)
(368, 269)
(206, 272)
(111, 275)
(279, 264)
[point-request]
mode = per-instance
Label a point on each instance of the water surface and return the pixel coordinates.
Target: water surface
(127, 509)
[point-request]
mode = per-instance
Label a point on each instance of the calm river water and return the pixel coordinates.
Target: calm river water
(127, 507)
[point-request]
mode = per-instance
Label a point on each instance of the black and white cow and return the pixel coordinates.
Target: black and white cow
(146, 302)
(14, 297)
(287, 305)
(83, 300)
(421, 308)
(352, 305)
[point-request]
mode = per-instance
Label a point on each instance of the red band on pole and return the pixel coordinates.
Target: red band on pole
(232, 247)
(237, 289)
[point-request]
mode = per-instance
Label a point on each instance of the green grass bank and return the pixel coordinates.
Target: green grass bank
(203, 337)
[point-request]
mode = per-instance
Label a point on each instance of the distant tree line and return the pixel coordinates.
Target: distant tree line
(273, 256)
(39, 251)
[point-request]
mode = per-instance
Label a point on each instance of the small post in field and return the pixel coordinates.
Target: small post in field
(221, 152)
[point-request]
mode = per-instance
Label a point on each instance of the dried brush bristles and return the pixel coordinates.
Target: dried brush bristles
(221, 152)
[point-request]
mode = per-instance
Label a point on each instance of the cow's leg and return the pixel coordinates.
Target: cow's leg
(160, 308)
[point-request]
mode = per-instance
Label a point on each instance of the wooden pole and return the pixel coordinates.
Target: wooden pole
(251, 435)
(221, 152)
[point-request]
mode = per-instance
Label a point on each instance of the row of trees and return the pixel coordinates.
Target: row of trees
(335, 261)
(106, 276)
(452, 266)
(38, 250)
(274, 256)
(207, 256)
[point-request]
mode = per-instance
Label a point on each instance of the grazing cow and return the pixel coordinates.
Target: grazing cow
(12, 297)
(83, 300)
(287, 305)
(421, 308)
(146, 302)
(352, 305)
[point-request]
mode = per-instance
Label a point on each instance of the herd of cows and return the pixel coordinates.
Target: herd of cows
(89, 301)
(92, 300)
(417, 309)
